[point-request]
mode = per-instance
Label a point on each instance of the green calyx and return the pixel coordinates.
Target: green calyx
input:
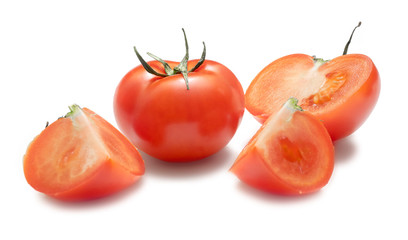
(73, 110)
(179, 69)
(319, 61)
(292, 104)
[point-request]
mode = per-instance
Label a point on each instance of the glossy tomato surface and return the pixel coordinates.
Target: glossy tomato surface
(167, 121)
(291, 154)
(341, 92)
(81, 157)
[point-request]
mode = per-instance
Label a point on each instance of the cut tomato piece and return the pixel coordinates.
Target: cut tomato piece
(291, 154)
(341, 92)
(81, 156)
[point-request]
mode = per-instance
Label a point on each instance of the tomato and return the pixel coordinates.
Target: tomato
(179, 116)
(341, 92)
(291, 154)
(81, 157)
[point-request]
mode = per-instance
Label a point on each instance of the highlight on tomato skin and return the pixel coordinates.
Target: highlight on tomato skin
(291, 154)
(81, 157)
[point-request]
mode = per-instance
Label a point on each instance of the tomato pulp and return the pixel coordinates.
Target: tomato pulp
(291, 154)
(341, 92)
(81, 157)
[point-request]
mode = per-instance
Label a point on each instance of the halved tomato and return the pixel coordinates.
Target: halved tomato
(80, 157)
(341, 92)
(291, 154)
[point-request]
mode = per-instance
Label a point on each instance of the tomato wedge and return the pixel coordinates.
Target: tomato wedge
(341, 92)
(80, 157)
(291, 154)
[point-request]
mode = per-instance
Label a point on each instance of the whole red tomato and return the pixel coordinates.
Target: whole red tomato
(179, 111)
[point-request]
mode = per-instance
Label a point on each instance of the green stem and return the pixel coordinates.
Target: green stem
(182, 67)
(349, 41)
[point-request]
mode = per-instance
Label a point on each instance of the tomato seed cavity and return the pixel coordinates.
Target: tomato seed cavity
(334, 81)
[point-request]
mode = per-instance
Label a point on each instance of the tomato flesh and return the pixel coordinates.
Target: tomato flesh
(291, 153)
(341, 92)
(81, 157)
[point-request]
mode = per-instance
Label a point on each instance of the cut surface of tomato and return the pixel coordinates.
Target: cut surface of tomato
(81, 156)
(291, 153)
(341, 92)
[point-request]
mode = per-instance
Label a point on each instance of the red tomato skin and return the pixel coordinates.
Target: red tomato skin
(252, 170)
(167, 121)
(108, 179)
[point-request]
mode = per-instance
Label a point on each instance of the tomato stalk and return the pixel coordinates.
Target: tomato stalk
(349, 41)
(179, 69)
(321, 61)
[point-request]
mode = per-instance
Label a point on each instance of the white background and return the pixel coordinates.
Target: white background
(54, 54)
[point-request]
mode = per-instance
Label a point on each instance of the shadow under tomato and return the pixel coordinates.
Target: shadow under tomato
(96, 203)
(344, 149)
(271, 197)
(218, 161)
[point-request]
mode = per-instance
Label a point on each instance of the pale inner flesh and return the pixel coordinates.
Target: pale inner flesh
(304, 80)
(288, 149)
